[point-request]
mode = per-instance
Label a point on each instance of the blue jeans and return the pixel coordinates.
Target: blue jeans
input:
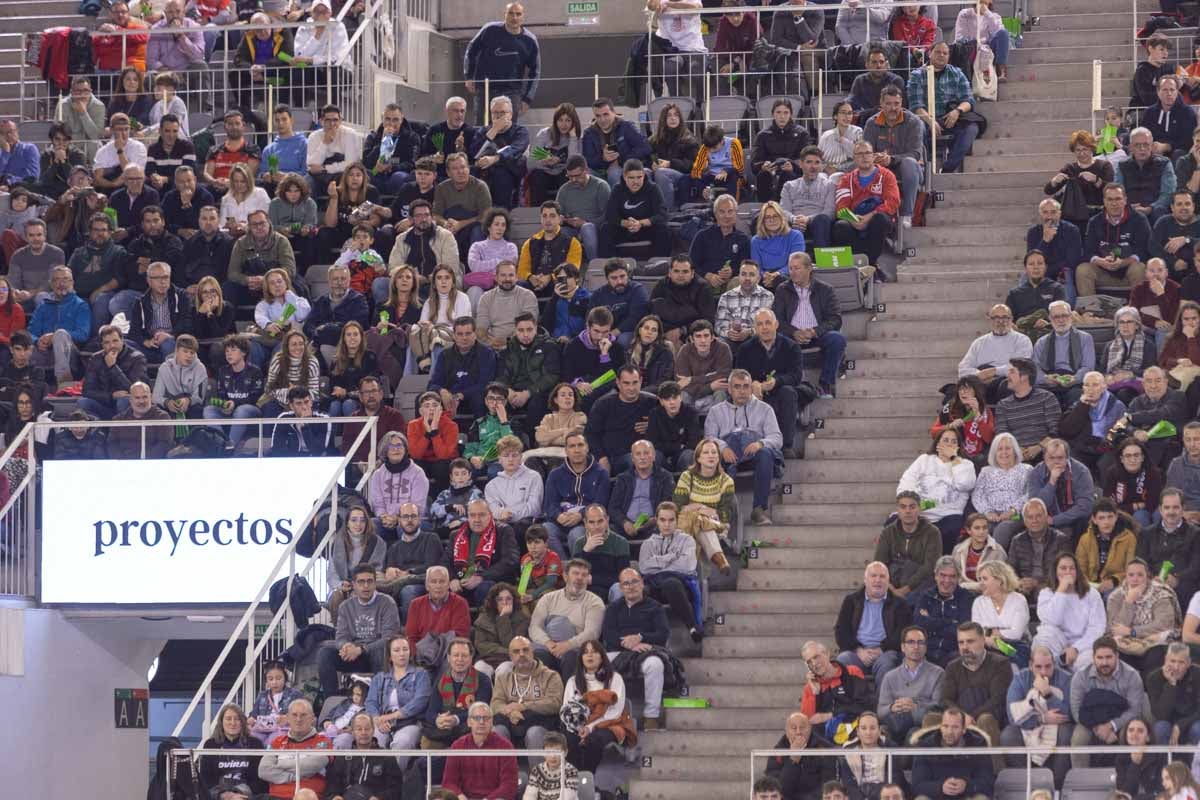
(101, 411)
(999, 44)
(100, 313)
(668, 179)
(886, 662)
(833, 347)
(589, 239)
(123, 302)
(908, 172)
(817, 232)
(389, 183)
(343, 408)
(155, 355)
(407, 595)
(559, 536)
(244, 411)
(379, 290)
(963, 136)
(763, 462)
(1162, 732)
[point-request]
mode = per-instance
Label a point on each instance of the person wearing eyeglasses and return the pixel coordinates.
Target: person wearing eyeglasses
(634, 626)
(1064, 356)
(365, 622)
(990, 357)
(485, 776)
(831, 689)
(909, 692)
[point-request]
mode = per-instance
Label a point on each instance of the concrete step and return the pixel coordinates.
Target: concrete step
(802, 538)
(774, 603)
(1011, 145)
(746, 696)
(744, 671)
(831, 558)
(848, 510)
(671, 769)
(979, 254)
(1014, 163)
(1026, 181)
(1077, 22)
(1107, 37)
(983, 232)
(761, 647)
(916, 386)
(964, 330)
(1070, 55)
(945, 215)
(849, 430)
(893, 367)
(1087, 6)
(874, 408)
(986, 289)
(844, 490)
(1058, 108)
(865, 446)
(1069, 89)
(860, 472)
(729, 719)
(690, 790)
(759, 625)
(786, 579)
(1078, 71)
(934, 310)
(26, 24)
(1000, 127)
(951, 273)
(885, 350)
(56, 8)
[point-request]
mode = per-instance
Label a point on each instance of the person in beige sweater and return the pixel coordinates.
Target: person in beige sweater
(526, 699)
(551, 432)
(566, 618)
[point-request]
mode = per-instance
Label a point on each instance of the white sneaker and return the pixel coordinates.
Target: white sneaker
(906, 221)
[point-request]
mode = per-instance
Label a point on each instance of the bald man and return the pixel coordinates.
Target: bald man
(990, 356)
(802, 778)
(282, 771)
(869, 624)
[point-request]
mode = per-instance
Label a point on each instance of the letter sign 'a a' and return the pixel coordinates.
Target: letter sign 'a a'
(131, 709)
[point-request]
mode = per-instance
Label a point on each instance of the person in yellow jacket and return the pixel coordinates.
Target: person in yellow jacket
(545, 250)
(1110, 532)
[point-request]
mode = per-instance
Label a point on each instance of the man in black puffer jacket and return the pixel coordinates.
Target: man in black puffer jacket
(681, 299)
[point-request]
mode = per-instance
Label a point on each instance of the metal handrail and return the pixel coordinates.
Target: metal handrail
(287, 557)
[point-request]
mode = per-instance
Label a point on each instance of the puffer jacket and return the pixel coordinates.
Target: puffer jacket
(1120, 552)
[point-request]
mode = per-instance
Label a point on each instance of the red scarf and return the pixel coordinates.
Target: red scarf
(461, 549)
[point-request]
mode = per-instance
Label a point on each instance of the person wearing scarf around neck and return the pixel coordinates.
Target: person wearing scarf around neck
(397, 480)
(1087, 423)
(481, 554)
(1133, 482)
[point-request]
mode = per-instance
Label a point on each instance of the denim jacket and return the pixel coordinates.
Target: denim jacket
(412, 693)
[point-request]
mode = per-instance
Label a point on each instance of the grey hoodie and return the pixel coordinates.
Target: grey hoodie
(175, 381)
(520, 493)
(725, 418)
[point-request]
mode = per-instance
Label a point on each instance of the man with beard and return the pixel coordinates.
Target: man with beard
(977, 682)
(499, 307)
(529, 365)
(1105, 695)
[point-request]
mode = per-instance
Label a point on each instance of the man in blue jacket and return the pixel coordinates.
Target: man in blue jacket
(503, 144)
(60, 326)
(627, 300)
(609, 142)
(952, 775)
(331, 312)
(570, 488)
(1040, 695)
(461, 372)
(507, 54)
(634, 623)
(940, 609)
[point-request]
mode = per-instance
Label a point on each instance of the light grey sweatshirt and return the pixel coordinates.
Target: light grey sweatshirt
(520, 493)
(924, 689)
(725, 418)
(589, 202)
(175, 381)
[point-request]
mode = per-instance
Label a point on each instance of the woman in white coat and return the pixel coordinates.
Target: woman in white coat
(944, 480)
(1072, 615)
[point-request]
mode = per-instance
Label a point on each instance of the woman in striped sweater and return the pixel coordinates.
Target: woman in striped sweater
(705, 495)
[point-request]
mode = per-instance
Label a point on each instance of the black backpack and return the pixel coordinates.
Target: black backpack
(79, 51)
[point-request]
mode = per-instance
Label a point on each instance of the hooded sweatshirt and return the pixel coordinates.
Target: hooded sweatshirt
(1173, 126)
(393, 485)
(724, 418)
(521, 493)
(583, 361)
(174, 381)
(567, 489)
(645, 203)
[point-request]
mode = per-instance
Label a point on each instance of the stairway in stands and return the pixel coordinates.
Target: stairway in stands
(17, 17)
(825, 528)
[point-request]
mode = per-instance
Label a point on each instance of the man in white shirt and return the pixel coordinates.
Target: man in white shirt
(331, 150)
(108, 168)
(988, 358)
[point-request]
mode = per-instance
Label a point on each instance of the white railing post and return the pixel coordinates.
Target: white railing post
(1097, 91)
(931, 107)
